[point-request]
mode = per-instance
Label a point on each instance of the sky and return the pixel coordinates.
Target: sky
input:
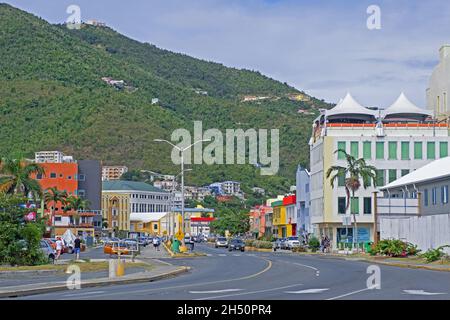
(322, 47)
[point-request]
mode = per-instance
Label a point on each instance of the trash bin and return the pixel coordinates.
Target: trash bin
(367, 246)
(176, 246)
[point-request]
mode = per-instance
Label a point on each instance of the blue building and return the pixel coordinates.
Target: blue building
(303, 201)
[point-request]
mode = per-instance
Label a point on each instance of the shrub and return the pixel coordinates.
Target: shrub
(299, 249)
(314, 244)
(434, 254)
(411, 249)
(262, 244)
(393, 248)
(249, 242)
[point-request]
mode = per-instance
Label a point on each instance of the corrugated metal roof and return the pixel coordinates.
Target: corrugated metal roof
(121, 185)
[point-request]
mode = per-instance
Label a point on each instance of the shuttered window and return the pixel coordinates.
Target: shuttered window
(418, 150)
(405, 150)
(367, 150)
(354, 149)
(431, 150)
(443, 149)
(341, 146)
(392, 150)
(380, 178)
(380, 150)
(392, 175)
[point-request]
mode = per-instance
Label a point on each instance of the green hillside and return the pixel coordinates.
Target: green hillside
(52, 97)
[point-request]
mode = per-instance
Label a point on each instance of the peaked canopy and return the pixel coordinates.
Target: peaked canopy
(351, 109)
(403, 108)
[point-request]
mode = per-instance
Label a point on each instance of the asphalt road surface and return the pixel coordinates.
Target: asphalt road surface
(223, 275)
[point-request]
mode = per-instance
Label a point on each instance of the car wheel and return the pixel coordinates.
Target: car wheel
(216, 247)
(242, 250)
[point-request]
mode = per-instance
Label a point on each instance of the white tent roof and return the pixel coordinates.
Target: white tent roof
(403, 106)
(147, 217)
(434, 170)
(349, 105)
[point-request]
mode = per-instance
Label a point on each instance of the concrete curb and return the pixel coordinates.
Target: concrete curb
(61, 286)
(29, 272)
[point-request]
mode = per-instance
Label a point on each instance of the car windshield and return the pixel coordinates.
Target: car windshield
(221, 239)
(293, 238)
(237, 241)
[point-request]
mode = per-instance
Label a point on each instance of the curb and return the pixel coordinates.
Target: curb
(61, 286)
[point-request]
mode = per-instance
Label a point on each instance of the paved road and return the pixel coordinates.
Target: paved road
(227, 275)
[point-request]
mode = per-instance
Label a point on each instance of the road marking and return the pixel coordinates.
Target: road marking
(351, 293)
(222, 255)
(308, 291)
(269, 266)
(250, 292)
(236, 255)
(82, 293)
(216, 291)
(422, 292)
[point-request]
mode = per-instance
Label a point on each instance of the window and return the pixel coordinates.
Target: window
(405, 150)
(392, 155)
(367, 150)
(418, 150)
(39, 176)
(341, 146)
(354, 205)
(69, 177)
(443, 149)
(57, 219)
(431, 150)
(81, 193)
(354, 146)
(434, 195)
(367, 205)
(444, 194)
(392, 175)
(425, 197)
(81, 177)
(381, 181)
(380, 150)
(341, 180)
(405, 172)
(341, 205)
(53, 175)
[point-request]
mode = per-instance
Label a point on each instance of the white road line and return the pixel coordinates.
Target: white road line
(351, 293)
(82, 294)
(216, 291)
(308, 291)
(222, 255)
(422, 292)
(236, 255)
(250, 292)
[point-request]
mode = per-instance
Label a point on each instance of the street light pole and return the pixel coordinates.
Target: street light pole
(182, 150)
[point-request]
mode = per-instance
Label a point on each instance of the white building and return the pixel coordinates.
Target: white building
(396, 141)
(439, 86)
(51, 157)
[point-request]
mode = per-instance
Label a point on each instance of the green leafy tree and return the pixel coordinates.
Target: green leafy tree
(16, 177)
(53, 196)
(355, 171)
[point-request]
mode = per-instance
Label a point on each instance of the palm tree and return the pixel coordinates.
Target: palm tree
(76, 204)
(53, 195)
(15, 177)
(355, 171)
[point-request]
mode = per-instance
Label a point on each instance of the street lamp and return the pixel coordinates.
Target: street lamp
(173, 201)
(182, 150)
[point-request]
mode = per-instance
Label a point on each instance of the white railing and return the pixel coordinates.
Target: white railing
(398, 206)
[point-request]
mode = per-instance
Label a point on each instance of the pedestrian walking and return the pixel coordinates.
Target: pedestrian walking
(192, 243)
(156, 243)
(77, 247)
(59, 247)
(322, 244)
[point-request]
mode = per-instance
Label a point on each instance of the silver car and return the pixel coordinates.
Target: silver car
(221, 242)
(48, 251)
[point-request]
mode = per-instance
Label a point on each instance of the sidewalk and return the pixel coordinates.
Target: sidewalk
(149, 252)
(14, 284)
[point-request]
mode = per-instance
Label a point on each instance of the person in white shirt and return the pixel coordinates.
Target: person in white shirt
(156, 243)
(59, 247)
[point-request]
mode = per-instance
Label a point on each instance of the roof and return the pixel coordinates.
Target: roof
(146, 217)
(349, 105)
(121, 185)
(432, 171)
(194, 210)
(404, 106)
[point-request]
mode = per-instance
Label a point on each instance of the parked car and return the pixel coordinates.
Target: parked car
(221, 242)
(280, 243)
(292, 242)
(48, 251)
(142, 241)
(236, 244)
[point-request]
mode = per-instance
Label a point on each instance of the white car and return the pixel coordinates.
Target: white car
(292, 242)
(221, 242)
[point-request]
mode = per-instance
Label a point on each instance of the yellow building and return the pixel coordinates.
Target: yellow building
(281, 227)
(170, 221)
(148, 223)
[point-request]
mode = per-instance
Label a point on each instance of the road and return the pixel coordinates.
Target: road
(223, 275)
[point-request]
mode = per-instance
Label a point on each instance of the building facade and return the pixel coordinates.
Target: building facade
(51, 157)
(303, 201)
(416, 207)
(439, 86)
(113, 172)
(122, 198)
(396, 141)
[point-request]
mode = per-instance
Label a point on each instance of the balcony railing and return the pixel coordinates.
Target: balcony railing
(398, 206)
